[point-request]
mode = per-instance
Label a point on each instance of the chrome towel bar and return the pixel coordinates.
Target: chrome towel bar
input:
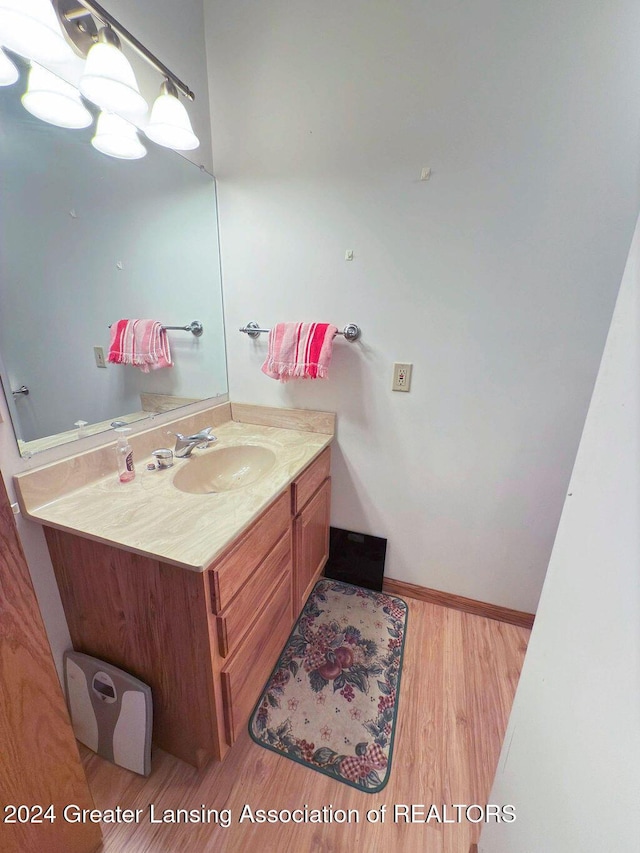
(195, 327)
(351, 332)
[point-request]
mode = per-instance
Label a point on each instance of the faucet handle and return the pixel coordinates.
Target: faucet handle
(209, 439)
(164, 457)
(186, 443)
(205, 435)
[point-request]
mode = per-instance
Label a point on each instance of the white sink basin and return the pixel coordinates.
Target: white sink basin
(223, 469)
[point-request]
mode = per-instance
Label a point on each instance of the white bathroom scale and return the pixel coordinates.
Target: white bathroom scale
(111, 711)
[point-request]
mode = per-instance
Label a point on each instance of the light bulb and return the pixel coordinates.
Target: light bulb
(31, 28)
(108, 79)
(169, 123)
(117, 137)
(53, 100)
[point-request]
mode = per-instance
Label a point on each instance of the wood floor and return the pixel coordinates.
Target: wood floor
(459, 677)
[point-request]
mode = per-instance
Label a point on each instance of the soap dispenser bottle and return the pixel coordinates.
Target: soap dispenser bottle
(124, 452)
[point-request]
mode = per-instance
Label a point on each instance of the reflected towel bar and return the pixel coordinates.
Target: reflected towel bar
(351, 332)
(195, 327)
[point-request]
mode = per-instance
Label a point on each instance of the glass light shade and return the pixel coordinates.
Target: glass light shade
(117, 137)
(108, 80)
(54, 100)
(169, 124)
(31, 28)
(8, 71)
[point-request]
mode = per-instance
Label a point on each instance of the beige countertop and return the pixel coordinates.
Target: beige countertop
(149, 515)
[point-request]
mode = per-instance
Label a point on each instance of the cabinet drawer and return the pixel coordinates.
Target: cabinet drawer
(233, 622)
(244, 676)
(310, 479)
(231, 571)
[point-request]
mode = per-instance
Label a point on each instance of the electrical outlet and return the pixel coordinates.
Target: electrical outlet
(98, 353)
(401, 376)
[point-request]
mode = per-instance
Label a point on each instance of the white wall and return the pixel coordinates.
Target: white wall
(571, 756)
(496, 278)
(175, 33)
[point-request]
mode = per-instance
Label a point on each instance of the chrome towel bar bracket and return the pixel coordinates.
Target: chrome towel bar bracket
(351, 332)
(195, 327)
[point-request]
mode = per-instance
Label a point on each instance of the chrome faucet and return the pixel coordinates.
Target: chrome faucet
(185, 444)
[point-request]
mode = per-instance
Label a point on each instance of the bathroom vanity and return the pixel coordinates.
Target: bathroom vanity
(194, 593)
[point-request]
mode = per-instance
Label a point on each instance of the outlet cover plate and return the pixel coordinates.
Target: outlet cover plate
(401, 376)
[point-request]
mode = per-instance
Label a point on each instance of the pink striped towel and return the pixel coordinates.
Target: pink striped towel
(143, 343)
(299, 351)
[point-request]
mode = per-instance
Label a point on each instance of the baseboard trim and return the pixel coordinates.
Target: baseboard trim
(458, 602)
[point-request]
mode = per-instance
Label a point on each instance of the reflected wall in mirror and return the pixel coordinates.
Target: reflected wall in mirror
(86, 240)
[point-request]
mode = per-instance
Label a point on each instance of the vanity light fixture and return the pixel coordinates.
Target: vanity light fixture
(30, 28)
(117, 137)
(8, 72)
(105, 72)
(45, 31)
(169, 123)
(108, 79)
(53, 100)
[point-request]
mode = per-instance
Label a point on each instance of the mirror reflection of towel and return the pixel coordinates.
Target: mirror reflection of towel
(299, 351)
(142, 343)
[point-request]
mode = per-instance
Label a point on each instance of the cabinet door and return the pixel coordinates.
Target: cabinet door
(311, 542)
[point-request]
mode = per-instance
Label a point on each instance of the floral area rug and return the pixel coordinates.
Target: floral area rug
(331, 702)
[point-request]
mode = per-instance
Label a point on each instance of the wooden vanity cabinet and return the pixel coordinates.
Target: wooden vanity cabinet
(204, 641)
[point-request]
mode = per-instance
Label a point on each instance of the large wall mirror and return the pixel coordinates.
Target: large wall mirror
(86, 240)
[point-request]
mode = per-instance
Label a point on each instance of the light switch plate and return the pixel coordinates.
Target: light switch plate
(98, 352)
(401, 376)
